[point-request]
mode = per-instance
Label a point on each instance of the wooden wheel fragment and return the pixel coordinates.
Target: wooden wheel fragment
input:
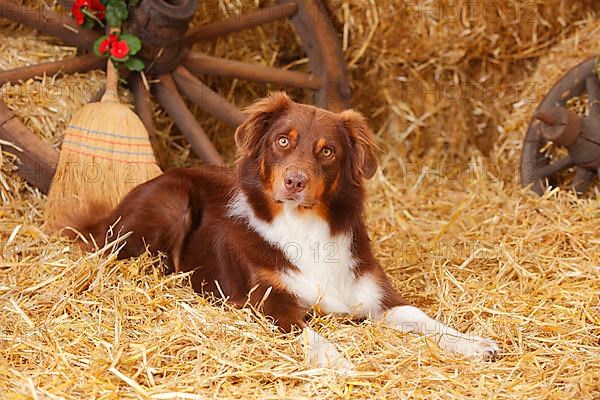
(579, 135)
(163, 27)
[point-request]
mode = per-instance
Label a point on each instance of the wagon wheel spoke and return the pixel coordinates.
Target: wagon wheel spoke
(167, 95)
(206, 98)
(143, 108)
(235, 24)
(592, 86)
(69, 66)
(200, 63)
(556, 166)
(37, 158)
(49, 23)
(582, 180)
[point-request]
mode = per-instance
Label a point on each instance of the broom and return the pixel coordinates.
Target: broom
(105, 153)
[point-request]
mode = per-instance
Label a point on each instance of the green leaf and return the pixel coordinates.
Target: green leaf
(133, 42)
(111, 16)
(115, 59)
(134, 3)
(134, 64)
(97, 45)
(116, 13)
(122, 12)
(88, 24)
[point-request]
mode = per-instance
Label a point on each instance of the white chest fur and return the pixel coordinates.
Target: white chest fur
(325, 275)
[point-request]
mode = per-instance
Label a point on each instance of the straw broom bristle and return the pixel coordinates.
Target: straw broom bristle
(106, 152)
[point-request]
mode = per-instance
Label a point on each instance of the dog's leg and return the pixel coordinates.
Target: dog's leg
(276, 302)
(408, 318)
(322, 353)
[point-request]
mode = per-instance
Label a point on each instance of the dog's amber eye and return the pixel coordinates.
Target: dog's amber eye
(326, 152)
(283, 141)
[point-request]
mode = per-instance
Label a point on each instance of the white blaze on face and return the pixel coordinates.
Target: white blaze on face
(325, 274)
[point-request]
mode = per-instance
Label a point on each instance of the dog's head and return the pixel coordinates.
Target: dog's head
(303, 154)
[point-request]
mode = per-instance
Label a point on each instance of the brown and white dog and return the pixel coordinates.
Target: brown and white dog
(284, 231)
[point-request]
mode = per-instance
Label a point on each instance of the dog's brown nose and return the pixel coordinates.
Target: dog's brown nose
(295, 182)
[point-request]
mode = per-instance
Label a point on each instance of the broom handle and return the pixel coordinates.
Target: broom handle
(111, 92)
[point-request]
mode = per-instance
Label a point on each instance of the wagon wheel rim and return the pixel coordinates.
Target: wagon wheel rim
(311, 21)
(537, 171)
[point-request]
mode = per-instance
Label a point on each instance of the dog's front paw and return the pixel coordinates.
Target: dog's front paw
(472, 346)
(323, 354)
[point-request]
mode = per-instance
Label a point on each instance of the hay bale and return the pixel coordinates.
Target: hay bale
(443, 74)
(458, 235)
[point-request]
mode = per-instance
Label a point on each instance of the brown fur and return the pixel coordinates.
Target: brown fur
(183, 213)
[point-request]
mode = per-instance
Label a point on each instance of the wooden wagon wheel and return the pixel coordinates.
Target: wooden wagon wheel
(163, 27)
(553, 121)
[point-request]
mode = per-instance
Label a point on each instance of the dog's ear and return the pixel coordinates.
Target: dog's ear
(363, 143)
(261, 115)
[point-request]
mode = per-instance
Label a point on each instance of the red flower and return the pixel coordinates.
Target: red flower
(79, 17)
(119, 49)
(91, 6)
(112, 38)
(78, 5)
(99, 9)
(104, 46)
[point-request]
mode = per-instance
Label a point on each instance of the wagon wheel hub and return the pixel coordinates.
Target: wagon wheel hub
(554, 122)
(161, 26)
